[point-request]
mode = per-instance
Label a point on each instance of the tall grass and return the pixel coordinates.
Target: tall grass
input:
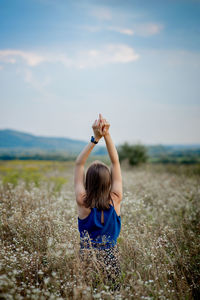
(159, 243)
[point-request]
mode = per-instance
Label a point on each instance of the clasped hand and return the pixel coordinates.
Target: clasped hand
(100, 127)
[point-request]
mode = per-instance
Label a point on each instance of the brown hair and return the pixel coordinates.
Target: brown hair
(98, 185)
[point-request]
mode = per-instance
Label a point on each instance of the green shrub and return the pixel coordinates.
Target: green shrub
(135, 154)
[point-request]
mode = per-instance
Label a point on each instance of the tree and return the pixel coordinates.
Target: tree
(135, 154)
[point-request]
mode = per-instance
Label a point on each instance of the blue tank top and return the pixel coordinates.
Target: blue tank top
(94, 233)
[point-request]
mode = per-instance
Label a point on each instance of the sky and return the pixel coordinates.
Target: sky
(62, 62)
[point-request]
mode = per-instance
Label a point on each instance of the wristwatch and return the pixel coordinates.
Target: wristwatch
(93, 140)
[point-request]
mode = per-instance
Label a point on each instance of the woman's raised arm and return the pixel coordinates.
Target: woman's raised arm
(116, 188)
(80, 162)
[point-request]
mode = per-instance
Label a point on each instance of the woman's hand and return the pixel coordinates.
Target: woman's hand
(97, 128)
(100, 128)
(105, 125)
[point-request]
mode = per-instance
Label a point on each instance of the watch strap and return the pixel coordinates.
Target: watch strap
(93, 140)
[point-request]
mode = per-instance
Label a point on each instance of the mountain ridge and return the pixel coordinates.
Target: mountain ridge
(18, 142)
(14, 139)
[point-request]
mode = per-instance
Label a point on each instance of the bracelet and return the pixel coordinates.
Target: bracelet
(93, 140)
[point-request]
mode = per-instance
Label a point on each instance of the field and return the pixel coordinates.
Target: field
(159, 242)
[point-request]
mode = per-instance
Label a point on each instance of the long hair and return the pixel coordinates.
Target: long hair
(98, 186)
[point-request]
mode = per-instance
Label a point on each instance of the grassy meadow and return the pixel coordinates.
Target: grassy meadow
(159, 243)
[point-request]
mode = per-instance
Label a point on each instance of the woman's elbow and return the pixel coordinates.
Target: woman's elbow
(78, 162)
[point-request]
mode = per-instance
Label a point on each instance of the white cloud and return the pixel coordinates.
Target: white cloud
(121, 30)
(126, 31)
(10, 56)
(109, 54)
(32, 59)
(101, 13)
(140, 29)
(122, 53)
(148, 29)
(113, 53)
(38, 84)
(61, 58)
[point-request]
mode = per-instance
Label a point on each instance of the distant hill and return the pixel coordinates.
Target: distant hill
(176, 149)
(16, 141)
(20, 145)
(184, 154)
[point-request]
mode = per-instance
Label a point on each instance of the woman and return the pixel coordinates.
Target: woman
(98, 200)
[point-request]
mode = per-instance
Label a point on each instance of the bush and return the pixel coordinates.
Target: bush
(135, 154)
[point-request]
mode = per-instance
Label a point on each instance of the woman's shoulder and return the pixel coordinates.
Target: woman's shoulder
(84, 213)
